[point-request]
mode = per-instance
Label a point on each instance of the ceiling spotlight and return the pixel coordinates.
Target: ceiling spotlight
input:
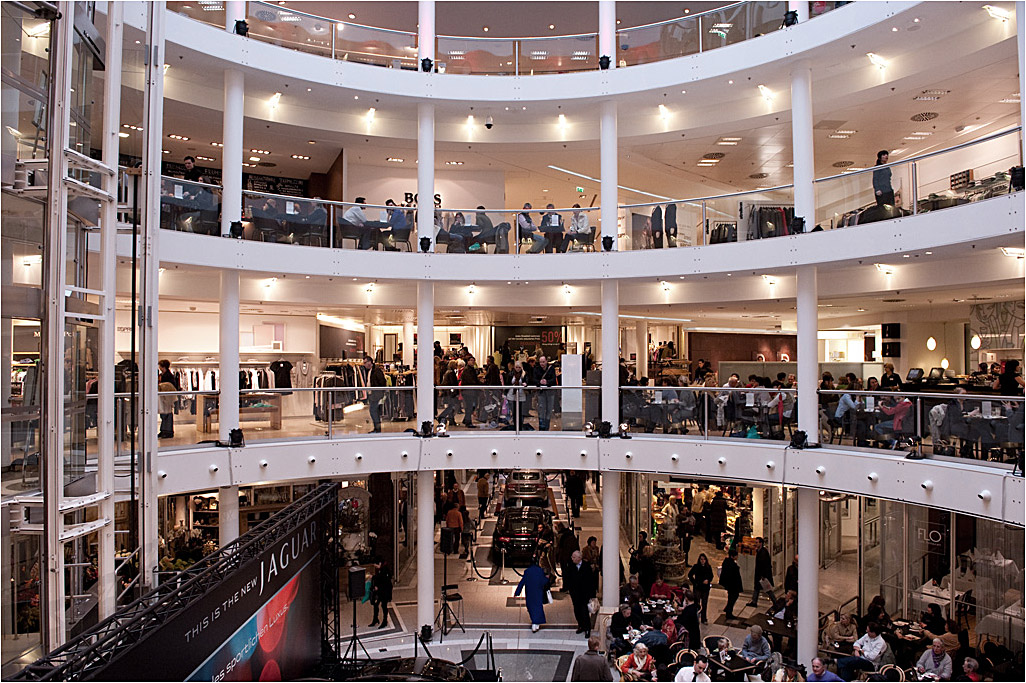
(370, 287)
(766, 92)
(370, 115)
(275, 99)
(931, 344)
(562, 120)
(997, 12)
(877, 60)
(666, 286)
(1016, 252)
(471, 288)
(566, 289)
(885, 269)
(352, 16)
(770, 280)
(664, 112)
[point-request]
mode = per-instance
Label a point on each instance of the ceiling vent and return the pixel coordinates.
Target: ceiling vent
(829, 125)
(267, 164)
(714, 155)
(893, 301)
(924, 116)
(843, 164)
(759, 176)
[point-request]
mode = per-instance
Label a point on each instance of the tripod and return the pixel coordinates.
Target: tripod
(445, 611)
(350, 657)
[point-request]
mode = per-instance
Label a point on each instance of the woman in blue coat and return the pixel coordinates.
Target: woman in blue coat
(535, 584)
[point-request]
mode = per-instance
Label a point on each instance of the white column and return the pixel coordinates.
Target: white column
(607, 31)
(610, 538)
(808, 574)
(803, 13)
(808, 352)
(426, 172)
(608, 170)
(227, 514)
(408, 328)
(425, 32)
(641, 337)
(105, 406)
(231, 153)
(1020, 41)
(611, 353)
(233, 11)
(425, 548)
(801, 142)
(228, 347)
(425, 353)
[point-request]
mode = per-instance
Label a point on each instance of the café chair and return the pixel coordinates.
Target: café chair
(686, 657)
(620, 661)
(267, 229)
(892, 672)
(348, 231)
(713, 642)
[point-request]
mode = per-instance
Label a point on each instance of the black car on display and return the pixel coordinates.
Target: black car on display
(526, 487)
(414, 669)
(516, 533)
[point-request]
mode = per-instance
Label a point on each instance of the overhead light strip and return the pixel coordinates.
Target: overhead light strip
(597, 180)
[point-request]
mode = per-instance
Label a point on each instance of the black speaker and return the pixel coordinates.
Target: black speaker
(890, 349)
(449, 541)
(799, 439)
(357, 583)
(890, 331)
(236, 439)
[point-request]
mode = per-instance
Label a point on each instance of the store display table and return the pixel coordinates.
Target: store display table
(207, 412)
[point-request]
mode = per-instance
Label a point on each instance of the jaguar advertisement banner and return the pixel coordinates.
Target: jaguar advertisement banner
(260, 623)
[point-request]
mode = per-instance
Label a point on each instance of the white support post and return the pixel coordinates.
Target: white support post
(227, 514)
(611, 353)
(105, 404)
(610, 537)
(425, 31)
(1020, 41)
(408, 329)
(641, 340)
(808, 574)
(228, 347)
(149, 294)
(608, 170)
(234, 10)
(231, 152)
(802, 7)
(425, 548)
(801, 142)
(808, 352)
(52, 608)
(426, 172)
(425, 353)
(607, 31)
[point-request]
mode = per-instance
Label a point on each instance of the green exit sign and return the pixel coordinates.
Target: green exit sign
(580, 190)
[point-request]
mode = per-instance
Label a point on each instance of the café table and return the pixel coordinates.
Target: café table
(733, 668)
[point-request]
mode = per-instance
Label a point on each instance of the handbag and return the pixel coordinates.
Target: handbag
(548, 597)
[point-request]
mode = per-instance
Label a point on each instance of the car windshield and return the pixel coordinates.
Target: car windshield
(527, 476)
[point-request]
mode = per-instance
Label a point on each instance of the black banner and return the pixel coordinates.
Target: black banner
(260, 623)
(530, 339)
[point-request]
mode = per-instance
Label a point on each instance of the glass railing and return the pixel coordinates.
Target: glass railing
(501, 56)
(950, 177)
(520, 408)
(735, 217)
(291, 220)
(985, 428)
(190, 206)
(22, 475)
(517, 231)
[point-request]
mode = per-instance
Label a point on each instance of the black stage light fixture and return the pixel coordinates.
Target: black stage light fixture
(427, 428)
(235, 230)
(605, 429)
(625, 430)
(425, 244)
(604, 62)
(790, 18)
(799, 440)
(607, 243)
(241, 27)
(426, 64)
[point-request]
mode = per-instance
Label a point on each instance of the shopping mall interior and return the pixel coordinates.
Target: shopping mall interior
(702, 288)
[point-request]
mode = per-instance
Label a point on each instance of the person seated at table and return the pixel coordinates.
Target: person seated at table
(877, 612)
(820, 673)
(1010, 381)
(970, 668)
(486, 232)
(841, 631)
(653, 636)
(785, 607)
(639, 663)
(780, 406)
(695, 672)
(660, 589)
(313, 214)
(867, 652)
(949, 637)
(790, 671)
(620, 624)
(756, 649)
(526, 230)
(872, 384)
(931, 618)
(898, 411)
(935, 661)
(552, 225)
(631, 591)
(670, 629)
(369, 237)
(399, 227)
(579, 231)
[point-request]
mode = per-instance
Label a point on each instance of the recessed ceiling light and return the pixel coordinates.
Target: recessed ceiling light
(352, 16)
(254, 158)
(925, 98)
(838, 136)
(552, 26)
(454, 163)
(122, 135)
(311, 142)
(485, 29)
(202, 158)
(217, 144)
(259, 151)
(174, 136)
(395, 160)
(300, 157)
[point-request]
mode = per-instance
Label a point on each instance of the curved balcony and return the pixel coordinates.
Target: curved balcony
(708, 235)
(522, 56)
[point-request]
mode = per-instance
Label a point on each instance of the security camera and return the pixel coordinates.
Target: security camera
(538, 452)
(263, 463)
(820, 470)
(213, 468)
(770, 465)
(489, 123)
(162, 474)
(359, 456)
(449, 453)
(722, 461)
(495, 453)
(675, 457)
(983, 495)
(405, 454)
(629, 455)
(312, 459)
(927, 485)
(584, 454)
(872, 476)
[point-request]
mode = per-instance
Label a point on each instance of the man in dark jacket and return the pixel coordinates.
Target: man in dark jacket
(791, 577)
(689, 620)
(575, 492)
(372, 376)
(591, 666)
(544, 379)
(763, 570)
(469, 378)
(580, 581)
(716, 516)
(567, 544)
(730, 579)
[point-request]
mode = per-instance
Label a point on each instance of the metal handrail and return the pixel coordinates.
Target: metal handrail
(191, 182)
(923, 394)
(754, 390)
(332, 21)
(686, 16)
(706, 199)
(986, 138)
